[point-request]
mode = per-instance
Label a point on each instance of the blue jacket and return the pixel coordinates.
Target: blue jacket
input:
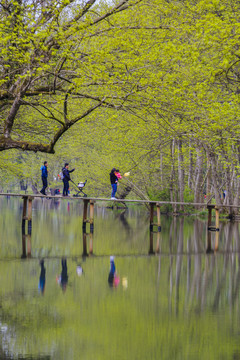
(44, 171)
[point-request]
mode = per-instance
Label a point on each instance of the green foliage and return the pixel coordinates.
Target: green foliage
(123, 87)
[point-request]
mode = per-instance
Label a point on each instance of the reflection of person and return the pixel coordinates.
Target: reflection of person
(114, 181)
(113, 279)
(64, 275)
(42, 278)
(44, 177)
(79, 270)
(66, 178)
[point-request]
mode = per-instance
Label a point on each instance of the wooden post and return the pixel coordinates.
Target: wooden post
(30, 215)
(91, 220)
(217, 218)
(216, 241)
(209, 217)
(85, 211)
(217, 229)
(151, 216)
(159, 228)
(24, 214)
(158, 217)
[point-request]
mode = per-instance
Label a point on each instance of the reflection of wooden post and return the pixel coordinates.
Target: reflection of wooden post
(216, 241)
(28, 245)
(91, 243)
(209, 242)
(24, 255)
(151, 252)
(151, 216)
(158, 243)
(85, 244)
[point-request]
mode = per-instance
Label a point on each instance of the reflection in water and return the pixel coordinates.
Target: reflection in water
(113, 278)
(64, 275)
(79, 270)
(180, 303)
(26, 246)
(42, 278)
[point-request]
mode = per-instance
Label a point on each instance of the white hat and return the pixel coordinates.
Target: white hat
(112, 258)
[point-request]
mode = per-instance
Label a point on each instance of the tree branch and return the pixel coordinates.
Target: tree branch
(69, 124)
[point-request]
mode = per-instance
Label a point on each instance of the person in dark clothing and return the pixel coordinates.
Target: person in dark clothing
(42, 278)
(66, 178)
(44, 177)
(114, 181)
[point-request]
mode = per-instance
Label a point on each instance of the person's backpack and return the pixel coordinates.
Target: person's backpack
(61, 175)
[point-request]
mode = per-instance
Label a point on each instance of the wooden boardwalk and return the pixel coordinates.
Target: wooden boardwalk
(137, 201)
(88, 215)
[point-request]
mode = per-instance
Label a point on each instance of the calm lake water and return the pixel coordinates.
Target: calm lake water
(179, 304)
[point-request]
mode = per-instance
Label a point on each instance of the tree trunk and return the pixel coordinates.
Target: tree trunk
(173, 178)
(198, 196)
(190, 169)
(214, 178)
(236, 197)
(229, 195)
(180, 174)
(208, 181)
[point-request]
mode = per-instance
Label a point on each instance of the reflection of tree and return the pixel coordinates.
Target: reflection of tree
(179, 263)
(227, 257)
(207, 278)
(124, 221)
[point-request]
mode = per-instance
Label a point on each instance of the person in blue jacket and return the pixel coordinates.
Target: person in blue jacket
(44, 177)
(66, 178)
